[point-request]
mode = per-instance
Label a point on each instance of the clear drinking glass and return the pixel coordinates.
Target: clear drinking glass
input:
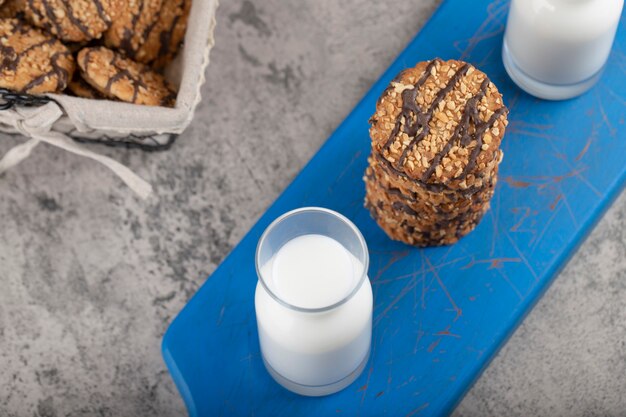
(314, 334)
(557, 49)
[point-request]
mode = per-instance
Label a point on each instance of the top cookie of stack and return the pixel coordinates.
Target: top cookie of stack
(441, 124)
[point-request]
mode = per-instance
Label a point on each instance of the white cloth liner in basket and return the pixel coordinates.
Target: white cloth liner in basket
(58, 121)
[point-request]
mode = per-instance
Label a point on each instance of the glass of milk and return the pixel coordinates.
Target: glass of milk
(556, 49)
(313, 301)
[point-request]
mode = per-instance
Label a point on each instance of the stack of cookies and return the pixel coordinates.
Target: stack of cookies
(436, 138)
(119, 46)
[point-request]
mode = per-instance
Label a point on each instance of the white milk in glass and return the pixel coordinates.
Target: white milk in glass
(314, 272)
(556, 49)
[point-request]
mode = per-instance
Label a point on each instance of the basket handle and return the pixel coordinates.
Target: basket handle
(36, 124)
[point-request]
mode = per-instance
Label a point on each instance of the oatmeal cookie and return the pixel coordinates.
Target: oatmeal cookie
(163, 40)
(74, 20)
(31, 61)
(118, 77)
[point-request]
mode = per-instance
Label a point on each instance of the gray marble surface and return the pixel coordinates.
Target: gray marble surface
(90, 276)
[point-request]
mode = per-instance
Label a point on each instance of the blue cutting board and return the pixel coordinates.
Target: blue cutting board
(440, 314)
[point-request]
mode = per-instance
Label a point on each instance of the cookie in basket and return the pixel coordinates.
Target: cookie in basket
(31, 61)
(74, 20)
(164, 38)
(12, 8)
(128, 32)
(118, 77)
(81, 88)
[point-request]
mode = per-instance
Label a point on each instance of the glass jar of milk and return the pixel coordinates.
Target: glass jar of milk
(556, 49)
(313, 301)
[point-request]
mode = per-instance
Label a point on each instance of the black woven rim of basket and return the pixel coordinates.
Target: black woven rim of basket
(10, 99)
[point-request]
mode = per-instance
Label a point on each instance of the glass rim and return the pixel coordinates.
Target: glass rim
(344, 219)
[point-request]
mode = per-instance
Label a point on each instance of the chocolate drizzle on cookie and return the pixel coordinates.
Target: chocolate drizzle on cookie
(411, 111)
(481, 128)
(52, 17)
(148, 30)
(70, 20)
(396, 205)
(126, 43)
(166, 37)
(124, 73)
(422, 120)
(119, 75)
(14, 59)
(100, 9)
(434, 188)
(9, 58)
(62, 75)
(75, 20)
(40, 17)
(462, 133)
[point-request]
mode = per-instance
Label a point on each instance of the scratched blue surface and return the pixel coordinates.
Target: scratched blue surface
(440, 314)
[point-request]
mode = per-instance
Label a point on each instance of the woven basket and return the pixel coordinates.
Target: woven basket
(65, 121)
